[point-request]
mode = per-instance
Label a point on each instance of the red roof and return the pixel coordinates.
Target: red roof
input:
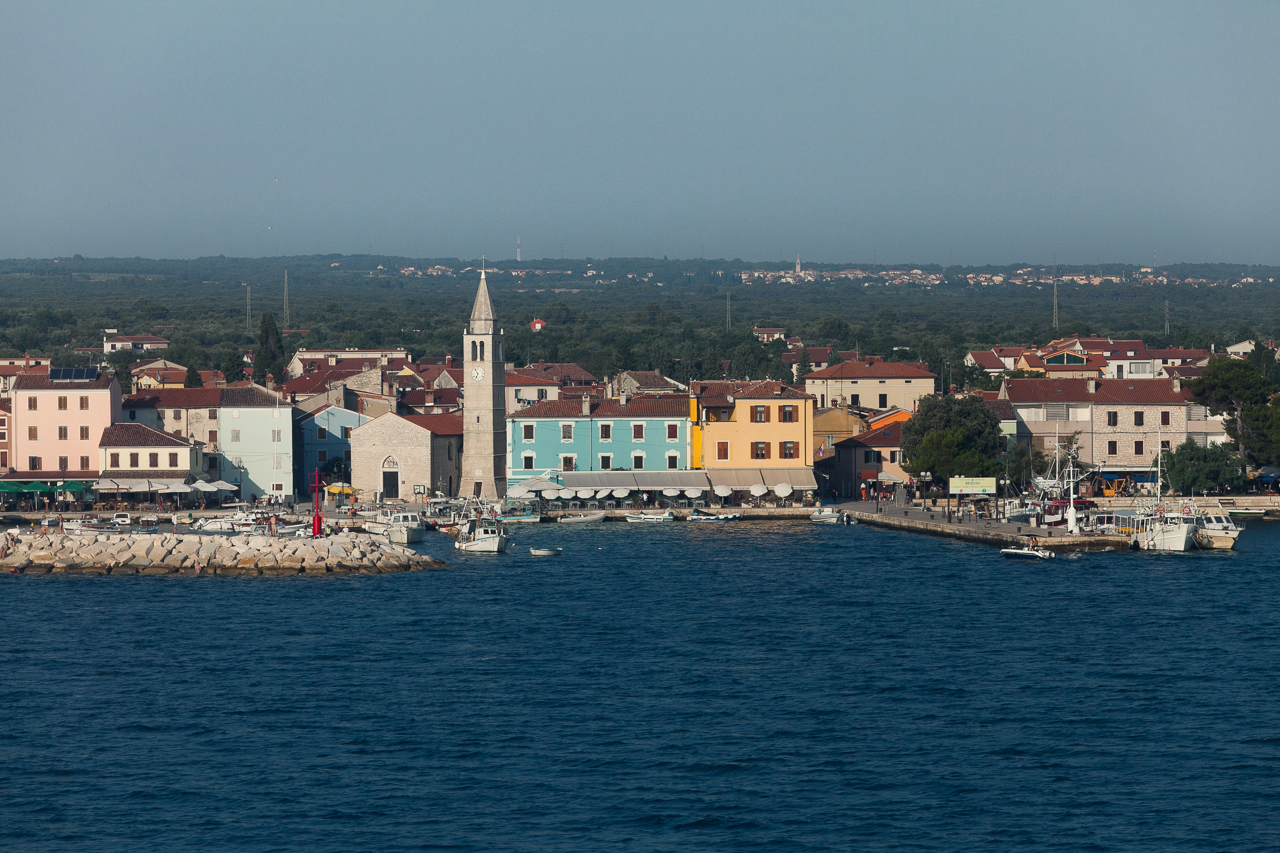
(669, 406)
(887, 436)
(873, 370)
(137, 435)
(564, 373)
(986, 359)
(437, 424)
(238, 395)
(521, 379)
(1123, 392)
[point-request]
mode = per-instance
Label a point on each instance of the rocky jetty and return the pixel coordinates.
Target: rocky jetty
(192, 554)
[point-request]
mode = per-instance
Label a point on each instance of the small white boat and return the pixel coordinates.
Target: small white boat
(1027, 552)
(121, 519)
(1215, 532)
(827, 515)
(149, 520)
(482, 538)
(545, 552)
(645, 516)
(406, 534)
(710, 517)
(582, 518)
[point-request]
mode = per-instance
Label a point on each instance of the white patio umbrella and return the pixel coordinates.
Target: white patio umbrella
(603, 493)
(621, 493)
(223, 484)
(723, 491)
(759, 489)
(693, 493)
(550, 494)
(586, 493)
(177, 489)
(517, 492)
(566, 493)
(202, 486)
(783, 489)
(671, 493)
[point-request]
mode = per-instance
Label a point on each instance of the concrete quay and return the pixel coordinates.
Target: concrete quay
(933, 522)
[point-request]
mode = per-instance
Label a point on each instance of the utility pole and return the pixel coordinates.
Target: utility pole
(1166, 318)
(248, 309)
(286, 299)
(1055, 302)
(728, 314)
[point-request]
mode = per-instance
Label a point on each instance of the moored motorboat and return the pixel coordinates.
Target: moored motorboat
(581, 518)
(1026, 552)
(646, 516)
(1215, 532)
(826, 515)
(481, 537)
(545, 552)
(711, 517)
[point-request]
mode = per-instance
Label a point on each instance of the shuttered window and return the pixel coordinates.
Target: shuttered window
(760, 415)
(759, 450)
(787, 450)
(722, 450)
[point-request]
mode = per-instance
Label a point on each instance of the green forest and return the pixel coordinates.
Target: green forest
(683, 317)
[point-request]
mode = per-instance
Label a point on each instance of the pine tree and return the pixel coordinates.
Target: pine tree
(193, 379)
(804, 366)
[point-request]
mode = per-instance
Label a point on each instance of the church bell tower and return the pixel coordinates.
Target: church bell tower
(484, 404)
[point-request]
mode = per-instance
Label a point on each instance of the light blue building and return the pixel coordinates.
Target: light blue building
(648, 433)
(323, 436)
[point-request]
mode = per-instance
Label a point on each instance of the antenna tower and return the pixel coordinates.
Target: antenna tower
(286, 299)
(1166, 318)
(248, 309)
(1055, 303)
(728, 313)
(517, 248)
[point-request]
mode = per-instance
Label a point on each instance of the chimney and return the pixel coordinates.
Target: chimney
(271, 382)
(623, 398)
(541, 363)
(333, 360)
(448, 359)
(1177, 385)
(1092, 385)
(586, 406)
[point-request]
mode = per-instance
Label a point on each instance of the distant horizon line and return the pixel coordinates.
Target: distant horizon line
(330, 256)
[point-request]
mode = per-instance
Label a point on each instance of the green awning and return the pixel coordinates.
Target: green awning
(73, 486)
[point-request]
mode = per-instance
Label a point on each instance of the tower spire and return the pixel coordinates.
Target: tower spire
(482, 316)
(286, 299)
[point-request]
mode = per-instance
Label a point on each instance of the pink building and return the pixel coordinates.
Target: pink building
(57, 422)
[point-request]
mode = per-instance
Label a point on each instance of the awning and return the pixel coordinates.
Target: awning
(738, 479)
(223, 484)
(202, 486)
(800, 479)
(535, 484)
(888, 478)
(636, 481)
(177, 489)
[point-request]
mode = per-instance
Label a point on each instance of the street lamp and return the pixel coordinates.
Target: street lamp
(1004, 490)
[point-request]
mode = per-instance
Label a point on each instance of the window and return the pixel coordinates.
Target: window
(1113, 419)
(34, 463)
(637, 462)
(566, 463)
(893, 456)
(84, 463)
(177, 414)
(787, 414)
(213, 414)
(855, 400)
(673, 432)
(1138, 418)
(173, 460)
(31, 407)
(277, 487)
(115, 460)
(133, 460)
(213, 436)
(1137, 448)
(542, 393)
(606, 432)
(84, 433)
(4, 459)
(63, 463)
(1164, 445)
(449, 450)
(346, 432)
(759, 414)
(1111, 448)
(884, 401)
(528, 463)
(277, 462)
(62, 407)
(787, 450)
(606, 461)
(673, 462)
(759, 450)
(566, 432)
(275, 435)
(527, 431)
(235, 436)
(33, 433)
(63, 433)
(322, 434)
(133, 414)
(722, 450)
(871, 457)
(1164, 419)
(637, 432)
(84, 403)
(322, 456)
(153, 460)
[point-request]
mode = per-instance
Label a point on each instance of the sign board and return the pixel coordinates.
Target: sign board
(419, 490)
(973, 485)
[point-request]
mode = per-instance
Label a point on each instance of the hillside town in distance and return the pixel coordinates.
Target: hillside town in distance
(385, 426)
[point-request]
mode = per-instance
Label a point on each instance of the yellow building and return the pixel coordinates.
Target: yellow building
(871, 384)
(754, 436)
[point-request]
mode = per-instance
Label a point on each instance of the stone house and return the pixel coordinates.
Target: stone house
(407, 457)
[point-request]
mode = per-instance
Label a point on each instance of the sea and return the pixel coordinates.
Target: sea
(778, 686)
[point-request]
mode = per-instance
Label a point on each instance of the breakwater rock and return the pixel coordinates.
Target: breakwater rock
(193, 554)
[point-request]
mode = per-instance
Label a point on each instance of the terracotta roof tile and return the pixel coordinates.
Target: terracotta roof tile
(873, 370)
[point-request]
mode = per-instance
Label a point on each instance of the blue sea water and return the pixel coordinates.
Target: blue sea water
(779, 686)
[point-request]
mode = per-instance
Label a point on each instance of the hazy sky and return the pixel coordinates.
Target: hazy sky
(948, 133)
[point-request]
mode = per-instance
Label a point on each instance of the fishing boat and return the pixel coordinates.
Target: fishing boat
(389, 519)
(827, 515)
(545, 552)
(1215, 531)
(582, 518)
(648, 516)
(406, 534)
(481, 537)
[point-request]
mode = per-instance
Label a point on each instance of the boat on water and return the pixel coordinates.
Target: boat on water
(481, 537)
(121, 519)
(545, 552)
(581, 518)
(1216, 531)
(714, 517)
(406, 534)
(826, 515)
(1027, 552)
(389, 519)
(528, 516)
(649, 516)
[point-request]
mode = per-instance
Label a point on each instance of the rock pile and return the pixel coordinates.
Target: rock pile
(191, 554)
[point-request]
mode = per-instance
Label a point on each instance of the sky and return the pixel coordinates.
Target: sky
(951, 133)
